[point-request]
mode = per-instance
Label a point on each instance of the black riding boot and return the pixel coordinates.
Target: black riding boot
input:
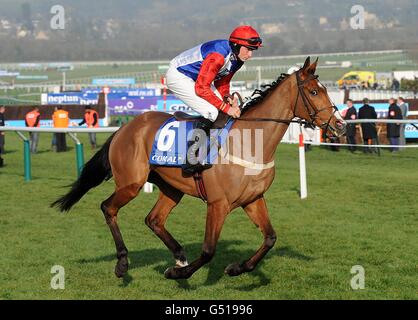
(193, 164)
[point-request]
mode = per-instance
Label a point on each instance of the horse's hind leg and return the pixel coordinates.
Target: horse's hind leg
(156, 219)
(257, 212)
(110, 208)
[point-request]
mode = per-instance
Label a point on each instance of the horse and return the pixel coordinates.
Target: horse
(125, 156)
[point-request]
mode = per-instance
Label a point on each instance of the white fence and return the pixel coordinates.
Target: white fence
(358, 95)
(292, 135)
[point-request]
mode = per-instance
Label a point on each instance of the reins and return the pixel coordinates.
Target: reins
(306, 102)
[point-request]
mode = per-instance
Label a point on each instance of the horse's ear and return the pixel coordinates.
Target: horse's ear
(312, 68)
(307, 63)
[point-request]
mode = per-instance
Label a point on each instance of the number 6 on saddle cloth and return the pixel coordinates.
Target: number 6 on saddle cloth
(172, 140)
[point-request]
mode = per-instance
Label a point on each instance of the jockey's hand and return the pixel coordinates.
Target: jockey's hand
(233, 101)
(234, 112)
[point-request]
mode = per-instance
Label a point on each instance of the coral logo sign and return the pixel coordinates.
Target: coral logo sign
(173, 106)
(411, 131)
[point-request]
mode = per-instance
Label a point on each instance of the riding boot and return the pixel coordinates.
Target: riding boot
(193, 164)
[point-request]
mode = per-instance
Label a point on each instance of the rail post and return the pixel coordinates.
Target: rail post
(26, 157)
(302, 167)
(79, 153)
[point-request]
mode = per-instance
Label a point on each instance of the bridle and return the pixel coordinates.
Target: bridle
(309, 106)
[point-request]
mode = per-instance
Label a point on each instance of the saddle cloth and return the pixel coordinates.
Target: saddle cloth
(171, 143)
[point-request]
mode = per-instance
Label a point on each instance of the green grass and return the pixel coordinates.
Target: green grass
(85, 72)
(361, 210)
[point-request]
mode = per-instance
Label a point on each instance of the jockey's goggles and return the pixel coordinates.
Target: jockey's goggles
(256, 42)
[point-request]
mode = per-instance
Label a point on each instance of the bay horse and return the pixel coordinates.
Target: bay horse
(125, 156)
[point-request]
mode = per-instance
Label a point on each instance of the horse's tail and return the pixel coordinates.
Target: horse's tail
(94, 172)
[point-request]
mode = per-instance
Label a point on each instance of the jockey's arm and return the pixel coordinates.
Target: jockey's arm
(208, 72)
(223, 85)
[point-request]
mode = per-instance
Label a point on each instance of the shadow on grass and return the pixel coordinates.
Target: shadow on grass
(38, 152)
(227, 252)
(10, 151)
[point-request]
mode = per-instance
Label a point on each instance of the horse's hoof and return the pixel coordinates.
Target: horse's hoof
(175, 273)
(121, 268)
(234, 269)
(171, 273)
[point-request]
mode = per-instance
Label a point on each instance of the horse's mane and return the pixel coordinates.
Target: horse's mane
(259, 94)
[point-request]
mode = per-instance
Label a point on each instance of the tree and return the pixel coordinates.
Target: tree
(27, 16)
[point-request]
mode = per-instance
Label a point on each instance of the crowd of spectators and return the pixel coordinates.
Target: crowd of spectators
(395, 132)
(60, 119)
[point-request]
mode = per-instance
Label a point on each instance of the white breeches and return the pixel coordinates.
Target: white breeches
(183, 88)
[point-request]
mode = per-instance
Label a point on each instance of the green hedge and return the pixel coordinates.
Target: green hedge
(409, 85)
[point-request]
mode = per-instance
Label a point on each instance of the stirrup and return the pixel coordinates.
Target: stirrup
(188, 168)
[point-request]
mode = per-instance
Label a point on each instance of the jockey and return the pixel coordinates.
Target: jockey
(201, 76)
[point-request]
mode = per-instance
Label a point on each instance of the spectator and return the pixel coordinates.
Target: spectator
(351, 114)
(404, 109)
(2, 124)
(54, 137)
(61, 120)
(368, 129)
(396, 86)
(393, 129)
(91, 119)
(32, 120)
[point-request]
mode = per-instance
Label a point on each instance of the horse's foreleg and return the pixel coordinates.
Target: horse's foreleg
(156, 219)
(257, 212)
(215, 219)
(110, 208)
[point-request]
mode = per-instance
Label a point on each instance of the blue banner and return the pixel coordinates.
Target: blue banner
(381, 108)
(140, 92)
(31, 77)
(114, 82)
(71, 98)
(91, 96)
(411, 131)
(131, 106)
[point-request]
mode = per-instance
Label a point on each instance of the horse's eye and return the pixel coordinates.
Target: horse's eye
(314, 92)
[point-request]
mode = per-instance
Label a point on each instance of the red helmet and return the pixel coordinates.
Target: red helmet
(246, 36)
